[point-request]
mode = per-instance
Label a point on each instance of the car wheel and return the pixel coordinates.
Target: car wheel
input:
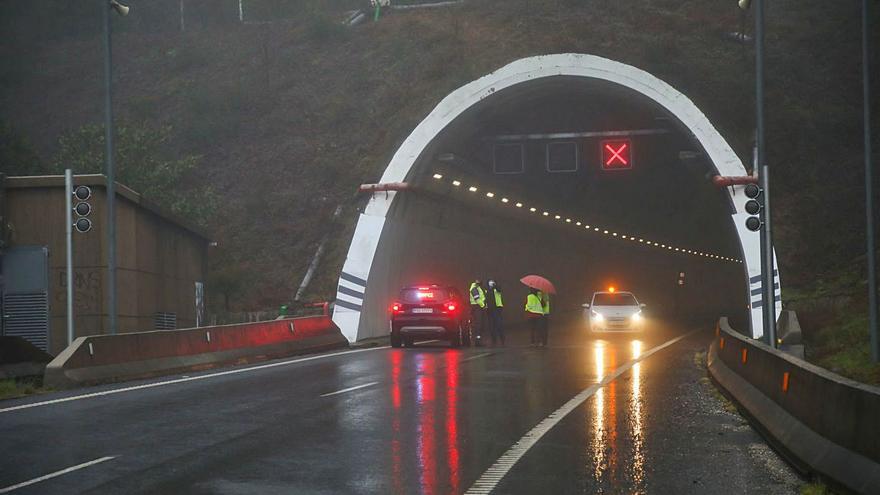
(409, 342)
(395, 340)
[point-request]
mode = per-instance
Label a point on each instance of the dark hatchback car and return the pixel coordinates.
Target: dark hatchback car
(429, 312)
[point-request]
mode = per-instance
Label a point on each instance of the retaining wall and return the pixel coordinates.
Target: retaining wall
(826, 424)
(105, 358)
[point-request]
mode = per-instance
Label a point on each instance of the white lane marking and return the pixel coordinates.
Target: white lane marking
(55, 474)
(349, 389)
(490, 479)
(425, 342)
(181, 380)
(478, 356)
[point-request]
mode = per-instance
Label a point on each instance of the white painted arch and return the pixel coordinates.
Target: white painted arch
(353, 282)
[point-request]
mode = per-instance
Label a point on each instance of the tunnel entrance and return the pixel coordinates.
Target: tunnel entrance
(585, 170)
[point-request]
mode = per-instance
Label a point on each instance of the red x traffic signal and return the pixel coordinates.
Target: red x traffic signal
(616, 154)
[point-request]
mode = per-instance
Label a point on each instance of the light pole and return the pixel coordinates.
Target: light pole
(767, 277)
(68, 235)
(108, 160)
(869, 186)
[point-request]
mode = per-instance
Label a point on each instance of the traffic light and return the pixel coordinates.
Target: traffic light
(82, 209)
(754, 206)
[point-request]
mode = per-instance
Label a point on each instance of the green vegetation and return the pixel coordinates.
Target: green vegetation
(17, 156)
(843, 347)
(815, 489)
(10, 389)
(834, 318)
(139, 166)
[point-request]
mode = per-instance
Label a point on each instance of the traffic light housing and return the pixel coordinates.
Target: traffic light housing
(82, 209)
(754, 206)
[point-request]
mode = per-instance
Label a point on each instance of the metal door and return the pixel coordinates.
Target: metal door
(26, 294)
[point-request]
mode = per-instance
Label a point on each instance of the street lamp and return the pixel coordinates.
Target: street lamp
(122, 10)
(869, 186)
(767, 278)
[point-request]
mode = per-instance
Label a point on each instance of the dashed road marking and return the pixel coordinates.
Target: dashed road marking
(478, 356)
(349, 389)
(55, 474)
(493, 476)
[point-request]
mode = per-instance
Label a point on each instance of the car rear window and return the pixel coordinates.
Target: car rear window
(418, 295)
(618, 299)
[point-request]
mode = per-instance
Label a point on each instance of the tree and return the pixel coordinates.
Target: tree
(140, 165)
(17, 156)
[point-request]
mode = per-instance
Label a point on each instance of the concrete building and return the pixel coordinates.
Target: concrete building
(160, 263)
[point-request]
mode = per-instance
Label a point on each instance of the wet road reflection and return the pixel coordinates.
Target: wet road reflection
(635, 415)
(428, 428)
(616, 452)
(425, 451)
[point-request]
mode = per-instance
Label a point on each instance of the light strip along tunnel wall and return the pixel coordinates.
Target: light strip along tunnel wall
(398, 240)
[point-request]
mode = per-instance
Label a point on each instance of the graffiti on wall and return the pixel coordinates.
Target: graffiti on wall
(87, 291)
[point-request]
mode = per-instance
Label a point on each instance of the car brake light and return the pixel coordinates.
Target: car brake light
(450, 307)
(396, 308)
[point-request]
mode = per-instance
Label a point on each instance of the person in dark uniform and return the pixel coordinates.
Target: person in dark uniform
(494, 306)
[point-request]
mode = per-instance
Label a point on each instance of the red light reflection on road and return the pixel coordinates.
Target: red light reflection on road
(396, 358)
(452, 360)
(426, 443)
(396, 468)
(436, 432)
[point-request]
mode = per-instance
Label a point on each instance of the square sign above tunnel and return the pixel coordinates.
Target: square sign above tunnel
(616, 154)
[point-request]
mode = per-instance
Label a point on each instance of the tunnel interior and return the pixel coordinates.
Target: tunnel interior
(542, 145)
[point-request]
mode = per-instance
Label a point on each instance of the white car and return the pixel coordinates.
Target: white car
(614, 311)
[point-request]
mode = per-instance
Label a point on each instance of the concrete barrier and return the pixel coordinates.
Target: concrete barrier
(107, 358)
(824, 423)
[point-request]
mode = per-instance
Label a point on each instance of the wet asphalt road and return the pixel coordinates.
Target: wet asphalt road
(426, 420)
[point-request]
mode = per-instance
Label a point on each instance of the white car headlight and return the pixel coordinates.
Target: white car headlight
(637, 317)
(596, 316)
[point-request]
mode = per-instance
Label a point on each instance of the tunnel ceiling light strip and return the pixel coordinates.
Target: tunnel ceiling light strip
(490, 195)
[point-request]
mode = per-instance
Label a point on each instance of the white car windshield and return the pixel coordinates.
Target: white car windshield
(614, 299)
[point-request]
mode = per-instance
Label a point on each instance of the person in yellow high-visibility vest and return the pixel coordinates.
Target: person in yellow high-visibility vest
(477, 298)
(534, 314)
(494, 305)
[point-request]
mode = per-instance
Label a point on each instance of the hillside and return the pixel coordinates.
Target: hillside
(289, 117)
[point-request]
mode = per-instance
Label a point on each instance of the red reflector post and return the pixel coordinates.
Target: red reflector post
(727, 181)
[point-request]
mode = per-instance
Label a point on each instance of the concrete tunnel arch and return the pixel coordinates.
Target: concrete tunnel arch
(359, 320)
